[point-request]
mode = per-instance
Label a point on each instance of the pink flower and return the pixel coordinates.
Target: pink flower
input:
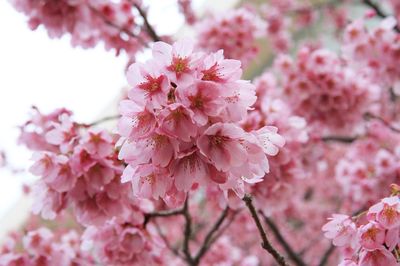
(188, 168)
(149, 83)
(177, 121)
(221, 143)
(341, 229)
(98, 142)
(178, 59)
(147, 180)
(270, 140)
(235, 32)
(137, 121)
(372, 236)
(63, 134)
(204, 99)
(386, 212)
(158, 148)
(377, 257)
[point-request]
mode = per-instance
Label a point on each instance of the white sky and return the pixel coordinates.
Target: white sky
(36, 70)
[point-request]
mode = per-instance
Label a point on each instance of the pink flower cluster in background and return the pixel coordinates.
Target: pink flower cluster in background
(368, 241)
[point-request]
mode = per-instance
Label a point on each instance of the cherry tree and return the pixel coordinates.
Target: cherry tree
(270, 136)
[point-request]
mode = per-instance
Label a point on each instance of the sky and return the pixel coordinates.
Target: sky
(49, 73)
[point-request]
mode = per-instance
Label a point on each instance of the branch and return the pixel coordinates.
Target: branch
(386, 123)
(208, 240)
(150, 29)
(188, 232)
(326, 255)
(275, 230)
(113, 25)
(102, 120)
(378, 11)
(167, 213)
(343, 139)
(265, 242)
(166, 241)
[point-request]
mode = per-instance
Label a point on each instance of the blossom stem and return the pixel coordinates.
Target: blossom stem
(386, 123)
(379, 12)
(121, 29)
(209, 237)
(265, 244)
(344, 139)
(150, 29)
(187, 233)
(166, 213)
(326, 255)
(289, 250)
(102, 120)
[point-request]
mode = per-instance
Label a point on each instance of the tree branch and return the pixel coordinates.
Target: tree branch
(265, 242)
(113, 25)
(291, 253)
(343, 139)
(209, 237)
(167, 243)
(102, 120)
(187, 233)
(378, 11)
(326, 255)
(383, 121)
(150, 29)
(166, 213)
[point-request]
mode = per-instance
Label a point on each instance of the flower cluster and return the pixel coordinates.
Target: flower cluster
(78, 167)
(319, 87)
(375, 52)
(43, 247)
(123, 244)
(372, 242)
(235, 32)
(185, 7)
(369, 163)
(88, 22)
(180, 124)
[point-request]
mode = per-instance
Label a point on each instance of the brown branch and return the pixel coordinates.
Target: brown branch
(150, 29)
(291, 253)
(209, 237)
(167, 243)
(343, 139)
(115, 26)
(166, 213)
(265, 244)
(326, 255)
(383, 121)
(378, 11)
(187, 233)
(225, 227)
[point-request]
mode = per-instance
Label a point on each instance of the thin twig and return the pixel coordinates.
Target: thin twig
(166, 241)
(187, 233)
(265, 242)
(344, 139)
(386, 123)
(225, 227)
(150, 29)
(102, 120)
(166, 213)
(209, 237)
(378, 11)
(121, 29)
(326, 255)
(289, 250)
